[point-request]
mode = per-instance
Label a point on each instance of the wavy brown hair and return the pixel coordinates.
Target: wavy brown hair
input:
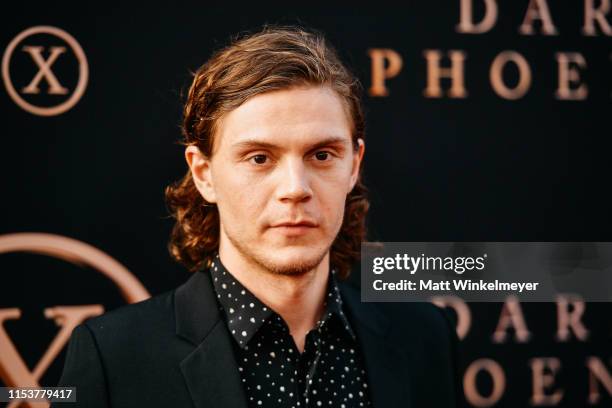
(272, 59)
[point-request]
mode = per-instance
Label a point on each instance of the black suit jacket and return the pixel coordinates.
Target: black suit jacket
(174, 350)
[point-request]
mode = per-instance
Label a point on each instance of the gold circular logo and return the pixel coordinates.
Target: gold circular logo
(14, 371)
(45, 71)
(78, 253)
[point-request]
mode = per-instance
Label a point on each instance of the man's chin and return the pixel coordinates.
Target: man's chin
(293, 261)
(280, 257)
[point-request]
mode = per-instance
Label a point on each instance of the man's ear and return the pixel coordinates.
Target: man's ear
(357, 157)
(201, 173)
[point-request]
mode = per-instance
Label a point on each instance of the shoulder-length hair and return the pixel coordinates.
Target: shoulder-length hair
(272, 59)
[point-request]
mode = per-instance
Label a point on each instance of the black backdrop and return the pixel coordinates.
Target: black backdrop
(479, 168)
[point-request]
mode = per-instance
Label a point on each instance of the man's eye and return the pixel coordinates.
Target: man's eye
(322, 156)
(259, 159)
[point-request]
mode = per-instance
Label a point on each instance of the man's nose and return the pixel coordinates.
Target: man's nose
(294, 184)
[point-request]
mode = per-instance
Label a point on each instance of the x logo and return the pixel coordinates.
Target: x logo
(44, 70)
(44, 65)
(13, 370)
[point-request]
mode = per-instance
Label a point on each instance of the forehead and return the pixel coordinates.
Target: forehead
(285, 118)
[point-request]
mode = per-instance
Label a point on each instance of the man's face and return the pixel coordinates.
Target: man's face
(282, 166)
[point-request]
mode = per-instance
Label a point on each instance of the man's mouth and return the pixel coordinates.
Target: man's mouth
(295, 228)
(299, 223)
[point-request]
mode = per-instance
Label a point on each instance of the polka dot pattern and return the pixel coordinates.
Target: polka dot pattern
(328, 373)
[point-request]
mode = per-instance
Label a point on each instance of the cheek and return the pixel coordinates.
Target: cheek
(239, 197)
(332, 198)
(339, 177)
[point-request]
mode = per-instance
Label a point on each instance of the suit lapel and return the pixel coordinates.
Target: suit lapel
(386, 366)
(210, 371)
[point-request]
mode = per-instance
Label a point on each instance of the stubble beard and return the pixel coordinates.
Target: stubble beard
(293, 269)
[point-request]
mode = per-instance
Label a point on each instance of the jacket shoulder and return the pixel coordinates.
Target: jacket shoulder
(125, 350)
(403, 317)
(137, 332)
(153, 314)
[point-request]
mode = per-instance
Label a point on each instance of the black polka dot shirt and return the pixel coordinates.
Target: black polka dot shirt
(330, 371)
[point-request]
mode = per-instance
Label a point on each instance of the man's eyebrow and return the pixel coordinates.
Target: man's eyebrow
(260, 144)
(332, 140)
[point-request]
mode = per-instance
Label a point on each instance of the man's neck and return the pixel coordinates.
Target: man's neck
(298, 299)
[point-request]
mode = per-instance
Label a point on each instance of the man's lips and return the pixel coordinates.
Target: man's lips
(303, 223)
(294, 228)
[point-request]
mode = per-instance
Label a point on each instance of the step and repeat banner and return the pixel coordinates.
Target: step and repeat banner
(487, 121)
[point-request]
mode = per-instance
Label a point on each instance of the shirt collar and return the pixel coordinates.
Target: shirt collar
(245, 314)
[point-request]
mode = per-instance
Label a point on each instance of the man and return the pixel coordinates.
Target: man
(270, 217)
